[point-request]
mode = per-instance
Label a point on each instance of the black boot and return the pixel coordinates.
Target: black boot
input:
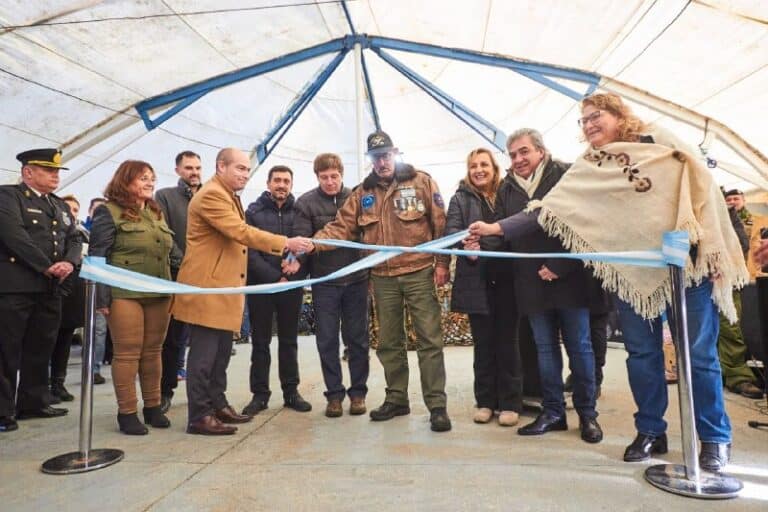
(644, 446)
(154, 416)
(58, 390)
(714, 456)
(130, 424)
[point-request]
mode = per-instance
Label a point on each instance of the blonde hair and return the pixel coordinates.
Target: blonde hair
(630, 127)
(495, 180)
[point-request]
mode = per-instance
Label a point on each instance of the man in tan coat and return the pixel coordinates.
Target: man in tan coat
(216, 257)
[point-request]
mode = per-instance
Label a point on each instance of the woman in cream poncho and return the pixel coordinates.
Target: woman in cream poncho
(633, 183)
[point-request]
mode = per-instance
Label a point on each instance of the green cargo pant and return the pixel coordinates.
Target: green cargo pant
(416, 289)
(733, 350)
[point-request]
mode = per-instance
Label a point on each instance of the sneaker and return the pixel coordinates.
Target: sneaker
(357, 406)
(255, 406)
(440, 422)
(98, 379)
(297, 403)
(388, 410)
(334, 409)
(508, 418)
(181, 374)
(483, 415)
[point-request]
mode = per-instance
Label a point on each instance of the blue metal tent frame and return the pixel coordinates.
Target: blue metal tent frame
(173, 102)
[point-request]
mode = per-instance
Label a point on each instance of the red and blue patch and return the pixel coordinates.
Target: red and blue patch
(438, 200)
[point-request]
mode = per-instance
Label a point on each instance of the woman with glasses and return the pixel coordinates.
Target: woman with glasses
(498, 382)
(633, 183)
(130, 232)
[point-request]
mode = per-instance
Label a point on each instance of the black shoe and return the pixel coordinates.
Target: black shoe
(388, 410)
(590, 430)
(43, 412)
(98, 379)
(8, 424)
(714, 456)
(255, 406)
(297, 403)
(440, 422)
(165, 403)
(154, 416)
(542, 424)
(53, 399)
(58, 390)
(129, 424)
(643, 446)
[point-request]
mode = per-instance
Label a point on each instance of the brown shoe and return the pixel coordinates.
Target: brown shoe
(333, 409)
(210, 426)
(229, 415)
(357, 406)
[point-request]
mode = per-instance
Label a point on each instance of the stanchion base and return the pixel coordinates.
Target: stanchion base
(712, 486)
(74, 462)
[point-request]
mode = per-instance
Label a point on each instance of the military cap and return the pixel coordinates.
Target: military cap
(379, 142)
(733, 192)
(48, 157)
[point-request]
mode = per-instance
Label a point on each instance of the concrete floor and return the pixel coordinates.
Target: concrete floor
(285, 460)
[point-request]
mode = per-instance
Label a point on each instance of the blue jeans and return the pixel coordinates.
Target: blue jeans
(573, 323)
(347, 305)
(645, 365)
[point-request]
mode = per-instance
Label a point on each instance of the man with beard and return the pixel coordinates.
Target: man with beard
(174, 201)
(273, 212)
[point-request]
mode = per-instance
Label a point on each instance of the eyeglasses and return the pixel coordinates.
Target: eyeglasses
(593, 117)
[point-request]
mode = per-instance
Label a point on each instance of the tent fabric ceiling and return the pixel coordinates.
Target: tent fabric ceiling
(66, 66)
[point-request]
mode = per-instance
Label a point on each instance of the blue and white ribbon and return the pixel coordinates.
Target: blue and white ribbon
(674, 251)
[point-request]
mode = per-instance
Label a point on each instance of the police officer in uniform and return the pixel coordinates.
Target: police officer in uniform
(399, 205)
(39, 248)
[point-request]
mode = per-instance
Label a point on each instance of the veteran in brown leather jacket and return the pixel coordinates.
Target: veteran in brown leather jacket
(407, 211)
(399, 205)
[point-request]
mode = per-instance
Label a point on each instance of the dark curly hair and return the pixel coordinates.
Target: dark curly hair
(118, 190)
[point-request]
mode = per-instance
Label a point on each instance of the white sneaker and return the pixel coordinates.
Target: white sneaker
(483, 415)
(508, 418)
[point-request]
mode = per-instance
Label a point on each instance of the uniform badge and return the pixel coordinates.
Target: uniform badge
(34, 210)
(407, 192)
(438, 200)
(420, 206)
(65, 219)
(367, 201)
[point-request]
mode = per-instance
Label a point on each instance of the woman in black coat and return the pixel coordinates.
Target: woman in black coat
(498, 382)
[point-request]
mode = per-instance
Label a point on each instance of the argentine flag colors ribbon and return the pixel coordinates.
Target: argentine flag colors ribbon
(674, 251)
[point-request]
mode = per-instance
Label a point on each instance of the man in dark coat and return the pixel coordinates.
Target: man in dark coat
(174, 201)
(38, 250)
(273, 212)
(341, 302)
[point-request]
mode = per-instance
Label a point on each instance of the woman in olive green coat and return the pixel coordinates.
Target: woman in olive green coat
(129, 230)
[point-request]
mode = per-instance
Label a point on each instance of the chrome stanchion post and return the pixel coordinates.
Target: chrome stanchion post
(85, 459)
(687, 479)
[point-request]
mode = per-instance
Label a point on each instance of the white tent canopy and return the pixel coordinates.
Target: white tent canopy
(69, 66)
